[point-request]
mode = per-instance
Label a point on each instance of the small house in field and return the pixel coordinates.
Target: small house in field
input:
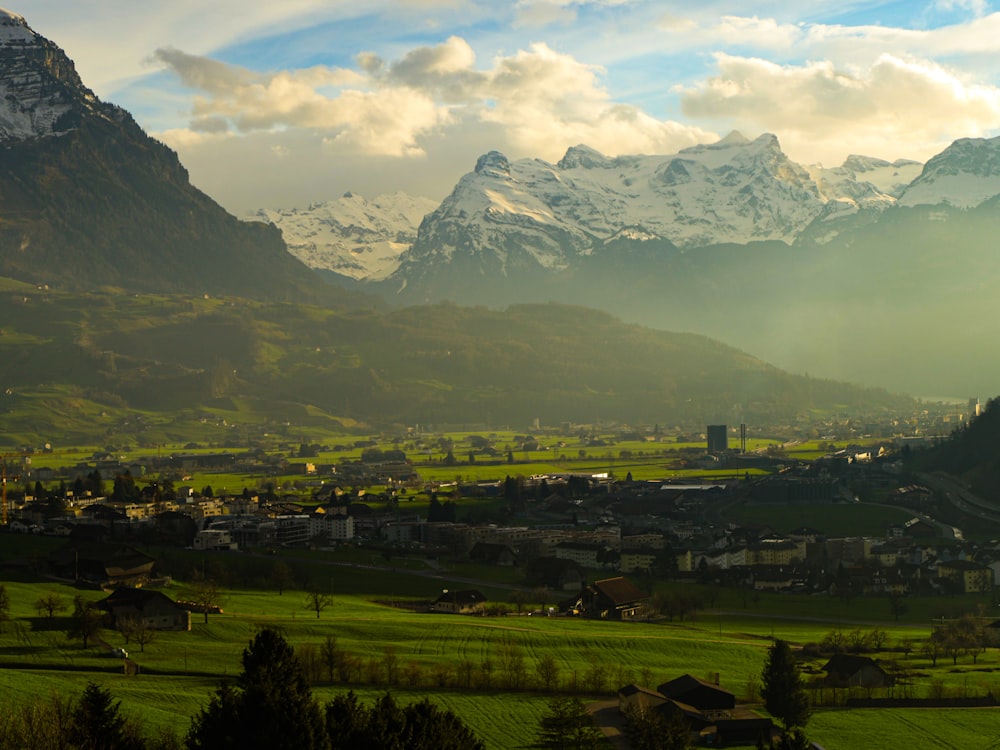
(709, 711)
(849, 670)
(610, 599)
(153, 609)
(710, 698)
(102, 564)
(459, 602)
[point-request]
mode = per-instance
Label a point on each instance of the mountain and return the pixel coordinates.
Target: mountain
(88, 200)
(352, 237)
(511, 217)
(963, 175)
(161, 368)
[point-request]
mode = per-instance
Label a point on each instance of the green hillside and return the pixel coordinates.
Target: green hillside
(162, 367)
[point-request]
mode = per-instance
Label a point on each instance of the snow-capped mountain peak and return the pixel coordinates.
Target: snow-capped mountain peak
(351, 236)
(493, 164)
(13, 28)
(963, 175)
(527, 213)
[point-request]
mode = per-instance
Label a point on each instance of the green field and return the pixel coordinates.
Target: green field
(179, 670)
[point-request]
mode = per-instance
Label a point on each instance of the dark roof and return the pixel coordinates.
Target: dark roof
(701, 694)
(846, 665)
(464, 596)
(632, 689)
(619, 590)
(137, 598)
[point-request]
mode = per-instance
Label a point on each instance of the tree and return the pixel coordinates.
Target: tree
(49, 604)
(270, 706)
(647, 729)
(137, 629)
(87, 620)
(4, 606)
(96, 723)
(329, 656)
(568, 726)
(388, 726)
(781, 687)
(519, 598)
(897, 606)
(317, 601)
(548, 672)
(281, 576)
(793, 739)
(204, 594)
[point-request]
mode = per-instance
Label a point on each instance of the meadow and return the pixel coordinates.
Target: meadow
(592, 658)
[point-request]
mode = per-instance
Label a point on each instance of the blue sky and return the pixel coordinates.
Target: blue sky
(290, 103)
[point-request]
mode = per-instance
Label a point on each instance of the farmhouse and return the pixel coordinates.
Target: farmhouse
(847, 670)
(461, 602)
(709, 698)
(152, 609)
(609, 599)
(708, 709)
(101, 564)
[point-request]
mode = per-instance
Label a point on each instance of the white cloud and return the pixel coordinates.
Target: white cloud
(545, 101)
(978, 7)
(550, 12)
(893, 107)
(548, 102)
(385, 121)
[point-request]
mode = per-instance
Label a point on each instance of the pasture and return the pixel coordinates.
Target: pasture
(445, 657)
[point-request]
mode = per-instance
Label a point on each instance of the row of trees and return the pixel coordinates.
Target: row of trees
(504, 668)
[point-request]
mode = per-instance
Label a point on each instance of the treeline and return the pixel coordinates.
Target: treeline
(504, 668)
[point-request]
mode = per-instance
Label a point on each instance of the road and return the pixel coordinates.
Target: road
(961, 497)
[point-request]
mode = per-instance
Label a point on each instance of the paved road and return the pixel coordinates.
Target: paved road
(961, 496)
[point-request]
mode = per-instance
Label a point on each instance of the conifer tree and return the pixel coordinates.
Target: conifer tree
(781, 687)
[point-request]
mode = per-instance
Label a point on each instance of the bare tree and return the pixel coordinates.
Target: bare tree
(316, 601)
(87, 620)
(328, 655)
(137, 629)
(548, 672)
(281, 576)
(204, 594)
(49, 604)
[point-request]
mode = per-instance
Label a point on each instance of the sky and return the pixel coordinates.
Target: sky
(282, 105)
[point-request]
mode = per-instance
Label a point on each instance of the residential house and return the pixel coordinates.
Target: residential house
(709, 698)
(101, 564)
(610, 599)
(151, 608)
(849, 670)
(214, 539)
(461, 602)
(968, 577)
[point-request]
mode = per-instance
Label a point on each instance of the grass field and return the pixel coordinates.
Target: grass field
(179, 670)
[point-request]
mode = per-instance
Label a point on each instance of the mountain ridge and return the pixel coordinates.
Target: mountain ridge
(89, 200)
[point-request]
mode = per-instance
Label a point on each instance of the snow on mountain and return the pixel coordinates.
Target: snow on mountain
(351, 236)
(39, 89)
(864, 182)
(529, 212)
(963, 175)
